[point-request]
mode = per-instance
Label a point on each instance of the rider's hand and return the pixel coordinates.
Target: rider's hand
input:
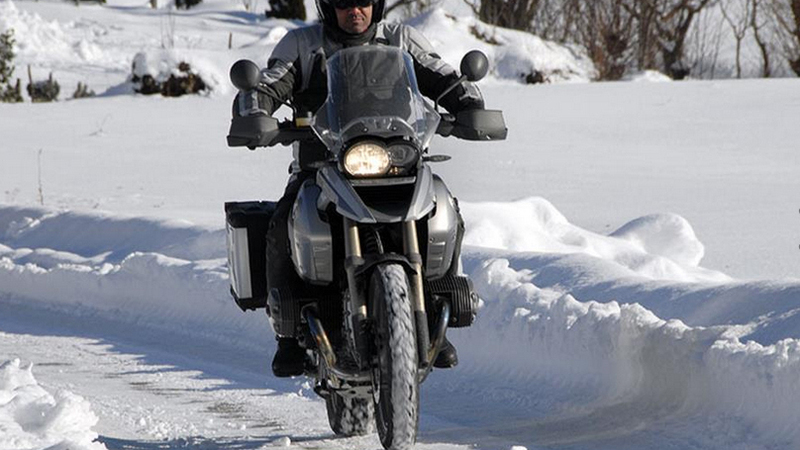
(249, 103)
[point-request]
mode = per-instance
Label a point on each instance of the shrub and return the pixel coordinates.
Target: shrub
(43, 91)
(179, 81)
(8, 93)
(286, 9)
(82, 91)
(186, 4)
(186, 82)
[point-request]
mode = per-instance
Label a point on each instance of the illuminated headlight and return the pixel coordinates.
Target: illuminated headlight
(367, 159)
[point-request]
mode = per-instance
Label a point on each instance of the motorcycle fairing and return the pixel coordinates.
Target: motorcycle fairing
(310, 237)
(340, 191)
(442, 232)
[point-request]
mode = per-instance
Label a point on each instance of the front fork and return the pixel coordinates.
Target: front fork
(354, 259)
(411, 247)
(358, 311)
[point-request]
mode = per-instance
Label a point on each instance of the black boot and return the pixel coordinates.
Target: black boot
(289, 360)
(448, 357)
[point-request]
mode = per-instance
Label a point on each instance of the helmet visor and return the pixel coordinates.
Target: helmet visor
(347, 4)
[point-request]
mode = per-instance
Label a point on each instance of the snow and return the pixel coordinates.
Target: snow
(658, 246)
(634, 246)
(32, 417)
(512, 54)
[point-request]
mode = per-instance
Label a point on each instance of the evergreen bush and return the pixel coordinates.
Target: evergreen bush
(8, 93)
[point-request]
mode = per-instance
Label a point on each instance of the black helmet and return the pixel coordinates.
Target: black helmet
(325, 10)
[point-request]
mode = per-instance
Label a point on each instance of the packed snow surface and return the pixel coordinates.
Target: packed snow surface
(32, 417)
(634, 246)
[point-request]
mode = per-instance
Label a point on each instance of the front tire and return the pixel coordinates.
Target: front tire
(396, 388)
(349, 416)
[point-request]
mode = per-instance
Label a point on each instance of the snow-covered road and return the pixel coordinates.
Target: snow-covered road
(153, 389)
(150, 338)
(634, 244)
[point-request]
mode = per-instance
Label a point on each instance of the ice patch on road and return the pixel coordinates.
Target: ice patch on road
(33, 418)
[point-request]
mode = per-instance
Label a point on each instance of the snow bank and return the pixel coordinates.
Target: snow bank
(626, 364)
(33, 418)
(53, 45)
(662, 246)
(648, 76)
(513, 54)
(633, 360)
(132, 269)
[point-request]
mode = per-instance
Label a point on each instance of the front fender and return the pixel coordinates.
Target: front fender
(349, 203)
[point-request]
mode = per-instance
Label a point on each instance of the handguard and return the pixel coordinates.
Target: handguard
(260, 130)
(475, 125)
(252, 131)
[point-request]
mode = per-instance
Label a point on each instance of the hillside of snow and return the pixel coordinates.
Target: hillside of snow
(634, 246)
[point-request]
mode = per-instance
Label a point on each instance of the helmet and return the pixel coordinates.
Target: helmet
(327, 15)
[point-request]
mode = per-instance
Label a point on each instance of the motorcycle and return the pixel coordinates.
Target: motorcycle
(375, 237)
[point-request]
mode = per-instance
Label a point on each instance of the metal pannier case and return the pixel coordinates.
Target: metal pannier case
(247, 224)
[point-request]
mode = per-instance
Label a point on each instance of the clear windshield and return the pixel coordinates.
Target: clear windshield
(372, 91)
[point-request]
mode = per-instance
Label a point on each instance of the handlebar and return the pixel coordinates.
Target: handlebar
(288, 133)
(474, 125)
(264, 131)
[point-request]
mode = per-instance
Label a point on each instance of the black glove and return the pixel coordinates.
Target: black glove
(250, 103)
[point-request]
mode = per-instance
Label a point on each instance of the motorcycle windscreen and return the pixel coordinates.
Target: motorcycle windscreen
(372, 91)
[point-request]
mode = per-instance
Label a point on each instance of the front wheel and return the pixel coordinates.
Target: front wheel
(396, 388)
(349, 416)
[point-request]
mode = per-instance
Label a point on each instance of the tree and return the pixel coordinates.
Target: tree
(514, 14)
(8, 93)
(757, 25)
(738, 15)
(663, 26)
(786, 18)
(410, 8)
(704, 43)
(605, 29)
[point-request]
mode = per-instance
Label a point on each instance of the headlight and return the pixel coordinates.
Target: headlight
(403, 155)
(404, 158)
(367, 159)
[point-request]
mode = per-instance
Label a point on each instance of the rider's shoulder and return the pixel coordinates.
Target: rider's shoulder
(400, 34)
(305, 34)
(310, 30)
(393, 29)
(396, 33)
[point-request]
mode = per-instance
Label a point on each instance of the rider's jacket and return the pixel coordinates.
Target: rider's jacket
(296, 68)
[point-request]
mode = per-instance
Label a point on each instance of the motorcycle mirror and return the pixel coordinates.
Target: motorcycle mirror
(245, 74)
(474, 65)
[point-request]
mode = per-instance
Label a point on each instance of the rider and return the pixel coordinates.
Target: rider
(296, 71)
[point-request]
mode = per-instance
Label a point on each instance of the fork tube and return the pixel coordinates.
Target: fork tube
(354, 259)
(411, 244)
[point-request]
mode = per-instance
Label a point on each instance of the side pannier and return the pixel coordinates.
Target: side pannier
(247, 224)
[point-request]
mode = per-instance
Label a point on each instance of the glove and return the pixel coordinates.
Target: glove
(250, 103)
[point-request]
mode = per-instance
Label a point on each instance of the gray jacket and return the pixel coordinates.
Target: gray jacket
(296, 69)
